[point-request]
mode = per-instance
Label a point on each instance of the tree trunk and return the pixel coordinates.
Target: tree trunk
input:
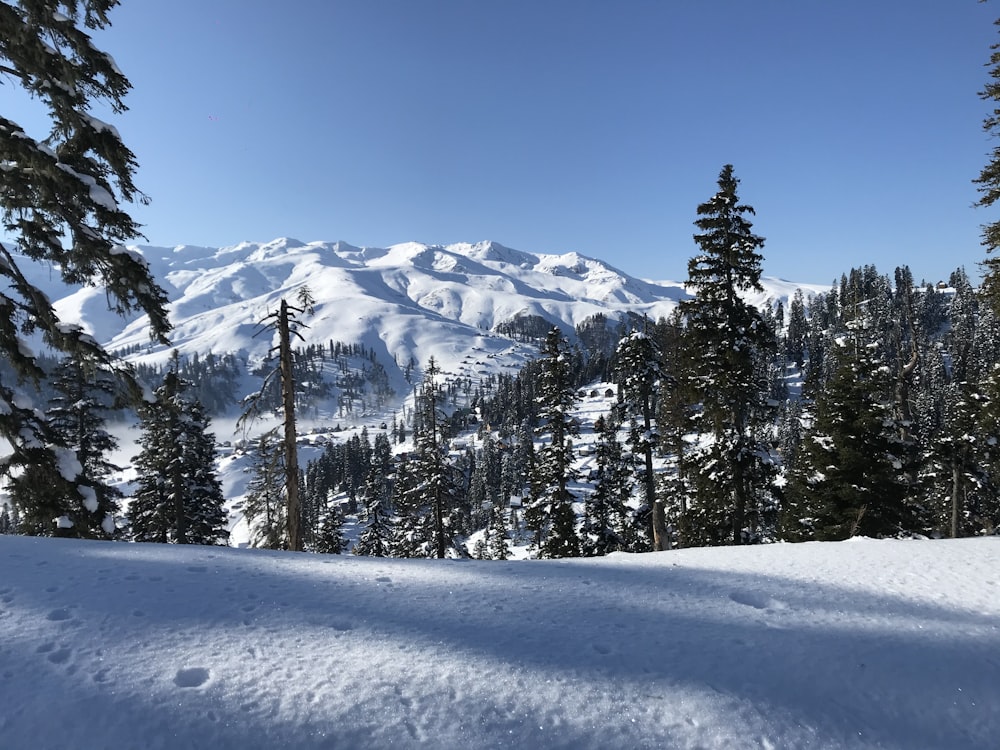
(956, 497)
(291, 450)
(661, 541)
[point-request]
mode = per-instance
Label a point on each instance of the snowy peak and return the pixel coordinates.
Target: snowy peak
(407, 302)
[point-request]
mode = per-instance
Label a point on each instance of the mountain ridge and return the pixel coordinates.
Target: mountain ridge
(406, 302)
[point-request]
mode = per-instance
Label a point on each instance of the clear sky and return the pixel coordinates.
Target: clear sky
(551, 126)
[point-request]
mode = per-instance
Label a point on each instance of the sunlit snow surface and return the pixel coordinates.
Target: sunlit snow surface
(857, 644)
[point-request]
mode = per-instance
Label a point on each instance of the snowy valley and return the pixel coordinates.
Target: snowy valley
(857, 644)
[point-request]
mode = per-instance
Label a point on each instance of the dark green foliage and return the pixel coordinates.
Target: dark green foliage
(83, 394)
(178, 498)
(795, 333)
(639, 373)
(850, 475)
(549, 512)
(429, 517)
(264, 507)
(524, 328)
(988, 182)
(607, 524)
(729, 346)
(61, 201)
(676, 409)
(376, 539)
(7, 523)
(329, 539)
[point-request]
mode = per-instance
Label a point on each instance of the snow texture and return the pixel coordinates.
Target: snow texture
(861, 644)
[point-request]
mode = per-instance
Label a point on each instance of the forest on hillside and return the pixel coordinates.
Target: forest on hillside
(871, 409)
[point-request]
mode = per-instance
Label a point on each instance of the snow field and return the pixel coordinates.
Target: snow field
(859, 644)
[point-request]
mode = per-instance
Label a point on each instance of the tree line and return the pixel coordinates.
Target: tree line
(870, 409)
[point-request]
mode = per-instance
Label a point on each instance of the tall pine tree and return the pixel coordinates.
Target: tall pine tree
(178, 498)
(638, 372)
(850, 476)
(549, 513)
(264, 506)
(729, 346)
(428, 527)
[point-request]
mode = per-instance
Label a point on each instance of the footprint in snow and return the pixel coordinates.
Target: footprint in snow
(757, 601)
(191, 677)
(60, 656)
(59, 614)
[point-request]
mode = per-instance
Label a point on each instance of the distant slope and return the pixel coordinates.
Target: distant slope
(407, 302)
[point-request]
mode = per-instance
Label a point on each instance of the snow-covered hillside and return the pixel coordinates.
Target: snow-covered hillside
(407, 302)
(859, 644)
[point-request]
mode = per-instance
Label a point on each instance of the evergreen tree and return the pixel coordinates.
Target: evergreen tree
(81, 494)
(988, 183)
(412, 535)
(605, 527)
(264, 506)
(84, 396)
(61, 205)
(376, 538)
(498, 539)
(430, 495)
(850, 474)
(796, 331)
(330, 539)
(285, 324)
(178, 498)
(729, 346)
(675, 417)
(638, 373)
(549, 513)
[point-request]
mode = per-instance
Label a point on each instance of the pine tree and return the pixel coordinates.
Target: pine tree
(430, 496)
(411, 530)
(675, 417)
(84, 396)
(61, 205)
(605, 527)
(264, 506)
(179, 498)
(638, 373)
(796, 331)
(988, 183)
(85, 501)
(729, 346)
(549, 513)
(498, 544)
(285, 324)
(330, 539)
(376, 539)
(850, 474)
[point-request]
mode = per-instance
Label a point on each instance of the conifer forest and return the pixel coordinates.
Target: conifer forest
(870, 409)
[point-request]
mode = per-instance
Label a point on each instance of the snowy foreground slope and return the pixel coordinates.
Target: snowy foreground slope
(861, 644)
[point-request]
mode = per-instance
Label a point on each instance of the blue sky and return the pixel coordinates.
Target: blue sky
(563, 125)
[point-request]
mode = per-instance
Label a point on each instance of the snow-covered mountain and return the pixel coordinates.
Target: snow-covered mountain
(406, 302)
